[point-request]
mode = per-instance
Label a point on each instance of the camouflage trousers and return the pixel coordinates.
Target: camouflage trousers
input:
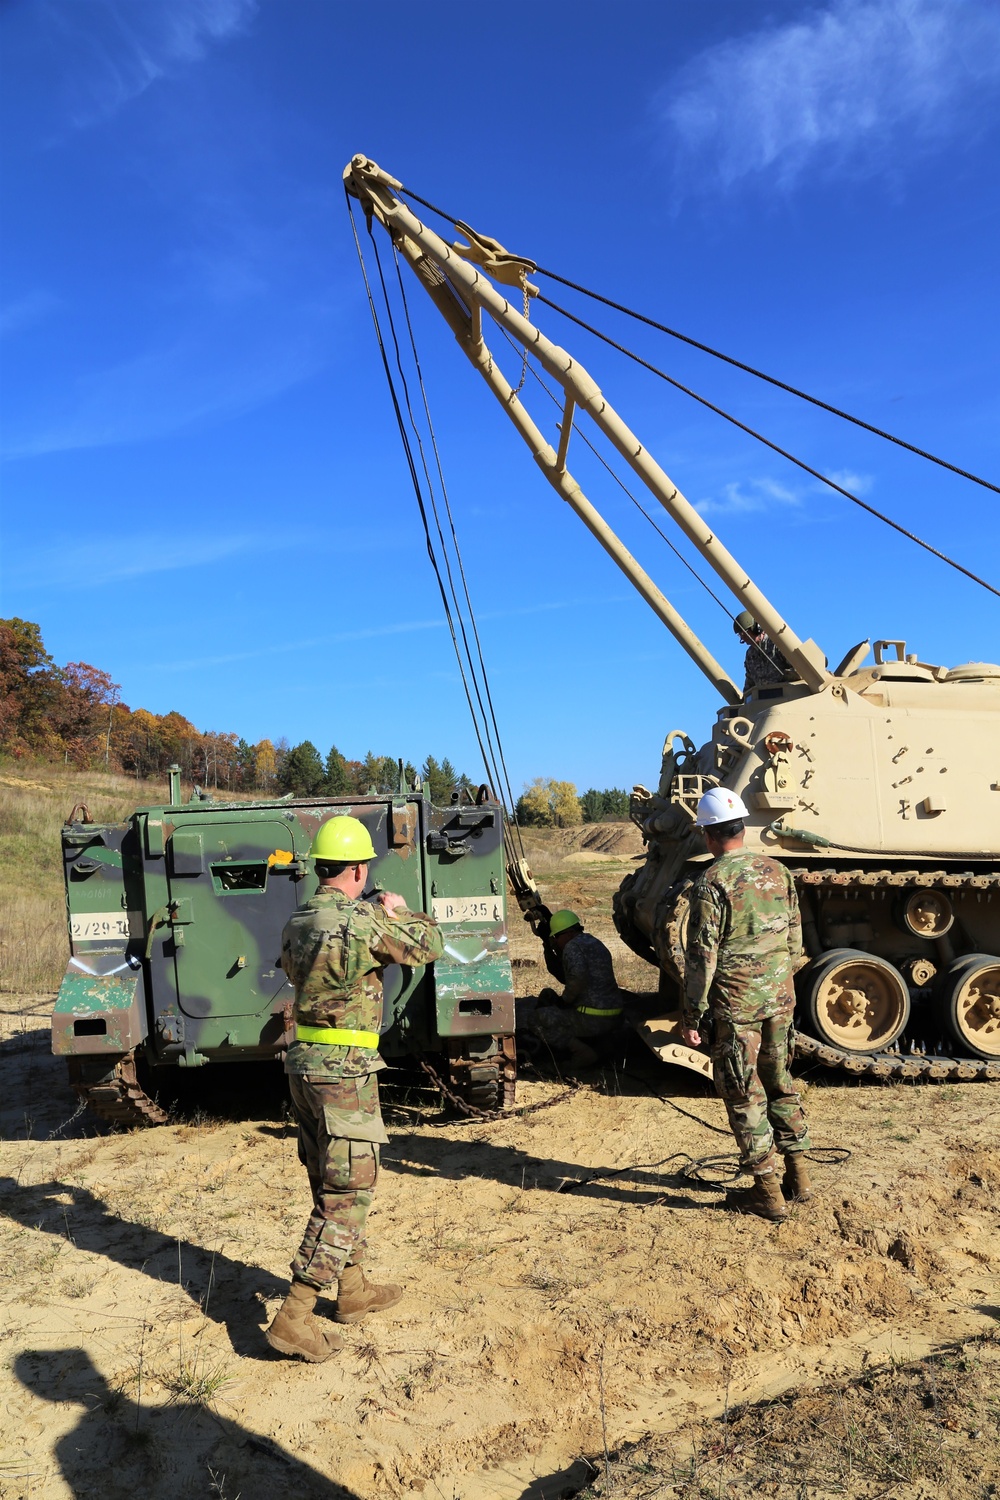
(342, 1169)
(559, 1025)
(750, 1067)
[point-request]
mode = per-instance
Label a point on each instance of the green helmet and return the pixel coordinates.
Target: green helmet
(745, 621)
(562, 921)
(343, 838)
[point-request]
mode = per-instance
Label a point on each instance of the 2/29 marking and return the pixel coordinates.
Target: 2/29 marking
(86, 926)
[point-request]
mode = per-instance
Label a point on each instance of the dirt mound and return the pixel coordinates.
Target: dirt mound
(591, 842)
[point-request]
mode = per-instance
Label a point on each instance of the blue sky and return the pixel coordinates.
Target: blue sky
(203, 489)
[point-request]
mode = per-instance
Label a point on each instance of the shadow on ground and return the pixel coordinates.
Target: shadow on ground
(119, 1449)
(227, 1291)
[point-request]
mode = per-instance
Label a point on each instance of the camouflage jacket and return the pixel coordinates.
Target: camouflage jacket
(589, 974)
(744, 938)
(763, 664)
(333, 950)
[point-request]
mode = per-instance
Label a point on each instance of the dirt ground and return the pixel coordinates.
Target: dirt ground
(581, 1310)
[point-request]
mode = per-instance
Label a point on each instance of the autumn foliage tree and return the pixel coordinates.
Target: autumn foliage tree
(75, 714)
(545, 803)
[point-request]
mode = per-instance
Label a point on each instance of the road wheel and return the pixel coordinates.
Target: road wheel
(855, 1001)
(968, 999)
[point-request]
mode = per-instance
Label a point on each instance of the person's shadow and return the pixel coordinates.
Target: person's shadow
(653, 1182)
(119, 1448)
(227, 1291)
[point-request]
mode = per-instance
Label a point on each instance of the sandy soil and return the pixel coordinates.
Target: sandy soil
(138, 1270)
(572, 1287)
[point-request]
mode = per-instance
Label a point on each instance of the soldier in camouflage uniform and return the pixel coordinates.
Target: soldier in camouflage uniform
(591, 1002)
(744, 941)
(763, 665)
(333, 951)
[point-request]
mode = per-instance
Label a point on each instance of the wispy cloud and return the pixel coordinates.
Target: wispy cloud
(197, 379)
(121, 556)
(348, 637)
(858, 484)
(834, 90)
(121, 47)
(25, 311)
(750, 495)
(766, 494)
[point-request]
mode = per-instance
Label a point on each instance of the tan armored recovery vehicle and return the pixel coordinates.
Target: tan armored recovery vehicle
(878, 782)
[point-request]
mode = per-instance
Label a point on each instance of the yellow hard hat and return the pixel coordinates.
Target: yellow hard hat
(343, 838)
(562, 921)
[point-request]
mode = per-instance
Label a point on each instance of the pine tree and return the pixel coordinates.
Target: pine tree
(592, 805)
(616, 804)
(338, 778)
(433, 781)
(302, 771)
(449, 779)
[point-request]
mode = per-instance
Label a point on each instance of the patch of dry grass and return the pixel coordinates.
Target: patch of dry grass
(927, 1428)
(35, 801)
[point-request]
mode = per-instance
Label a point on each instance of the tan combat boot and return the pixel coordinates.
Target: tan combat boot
(764, 1198)
(295, 1331)
(356, 1296)
(796, 1185)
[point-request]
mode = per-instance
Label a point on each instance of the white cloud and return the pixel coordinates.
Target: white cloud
(751, 495)
(858, 484)
(834, 90)
(741, 497)
(121, 47)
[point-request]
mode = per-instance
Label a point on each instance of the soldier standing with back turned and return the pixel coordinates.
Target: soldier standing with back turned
(744, 940)
(333, 950)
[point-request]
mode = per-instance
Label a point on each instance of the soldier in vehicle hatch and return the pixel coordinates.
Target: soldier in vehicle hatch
(763, 664)
(333, 950)
(591, 1002)
(744, 939)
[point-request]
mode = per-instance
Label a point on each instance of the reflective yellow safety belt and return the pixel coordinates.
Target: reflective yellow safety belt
(587, 1010)
(336, 1036)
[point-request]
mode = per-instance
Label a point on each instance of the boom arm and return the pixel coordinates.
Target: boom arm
(461, 293)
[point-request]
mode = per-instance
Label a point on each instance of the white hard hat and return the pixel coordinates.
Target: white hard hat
(720, 805)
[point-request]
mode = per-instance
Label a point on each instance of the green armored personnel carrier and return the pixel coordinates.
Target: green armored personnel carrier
(175, 920)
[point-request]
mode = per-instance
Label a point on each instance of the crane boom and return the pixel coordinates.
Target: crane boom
(462, 291)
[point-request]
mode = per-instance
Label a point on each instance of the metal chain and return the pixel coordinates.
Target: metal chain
(524, 360)
(474, 1111)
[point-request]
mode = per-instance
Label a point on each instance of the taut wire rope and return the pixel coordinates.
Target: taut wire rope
(415, 480)
(775, 447)
(739, 364)
(458, 552)
(637, 503)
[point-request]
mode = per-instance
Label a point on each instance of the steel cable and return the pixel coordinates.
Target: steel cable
(491, 762)
(637, 503)
(738, 364)
(775, 447)
(458, 555)
(415, 479)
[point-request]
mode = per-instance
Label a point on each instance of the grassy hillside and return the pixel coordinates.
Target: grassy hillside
(35, 801)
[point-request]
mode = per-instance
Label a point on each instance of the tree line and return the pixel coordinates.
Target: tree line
(546, 803)
(75, 714)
